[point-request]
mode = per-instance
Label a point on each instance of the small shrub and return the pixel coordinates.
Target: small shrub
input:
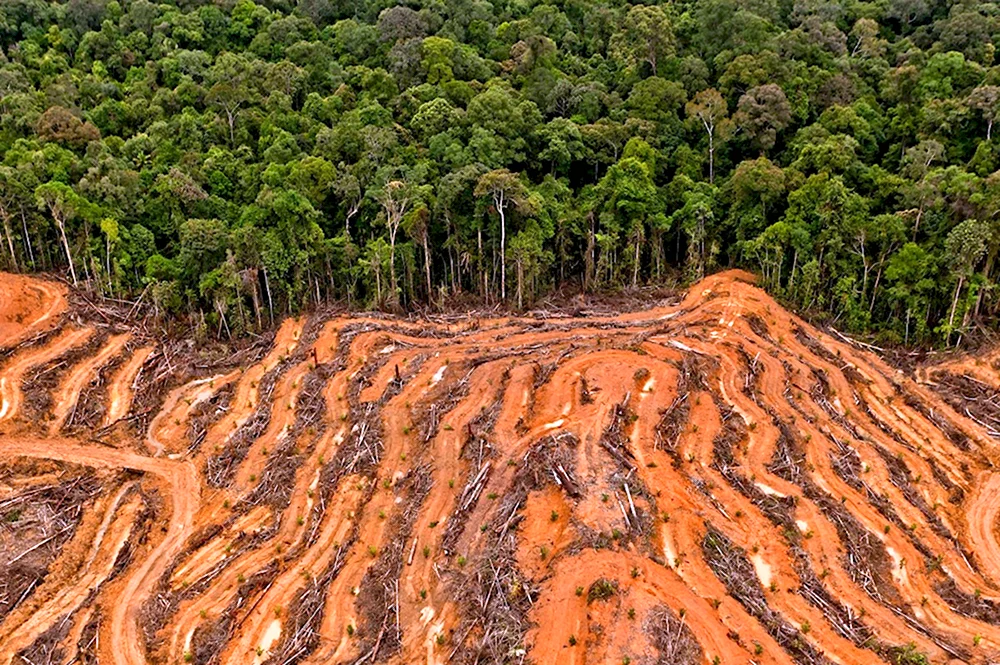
(601, 589)
(908, 655)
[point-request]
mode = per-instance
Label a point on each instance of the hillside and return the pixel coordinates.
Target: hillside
(710, 480)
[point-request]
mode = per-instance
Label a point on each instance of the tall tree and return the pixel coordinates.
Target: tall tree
(64, 205)
(986, 100)
(234, 80)
(965, 246)
(646, 36)
(395, 197)
(763, 112)
(505, 190)
(708, 108)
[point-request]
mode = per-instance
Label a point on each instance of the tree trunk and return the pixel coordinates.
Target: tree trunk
(711, 158)
(270, 303)
(954, 306)
(27, 238)
(987, 269)
(588, 259)
(635, 265)
(456, 278)
(520, 286)
(427, 267)
(255, 297)
(484, 283)
(69, 256)
(878, 278)
(107, 258)
(503, 247)
(393, 228)
(10, 240)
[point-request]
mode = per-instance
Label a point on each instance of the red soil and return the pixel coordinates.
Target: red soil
(707, 481)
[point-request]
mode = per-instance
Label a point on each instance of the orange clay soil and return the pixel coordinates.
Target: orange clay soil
(28, 306)
(122, 385)
(66, 396)
(707, 481)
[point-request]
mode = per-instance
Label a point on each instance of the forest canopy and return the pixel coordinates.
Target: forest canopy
(232, 160)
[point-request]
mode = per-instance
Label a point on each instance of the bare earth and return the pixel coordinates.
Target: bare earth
(706, 481)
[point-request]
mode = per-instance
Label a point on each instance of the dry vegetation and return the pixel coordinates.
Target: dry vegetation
(710, 480)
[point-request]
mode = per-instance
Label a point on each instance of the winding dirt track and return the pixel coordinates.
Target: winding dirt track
(28, 306)
(707, 481)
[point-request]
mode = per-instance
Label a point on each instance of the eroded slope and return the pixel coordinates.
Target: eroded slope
(708, 481)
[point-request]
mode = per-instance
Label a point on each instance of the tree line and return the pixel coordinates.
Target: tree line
(232, 161)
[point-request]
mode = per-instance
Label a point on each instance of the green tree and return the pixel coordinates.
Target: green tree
(697, 218)
(395, 197)
(986, 100)
(709, 110)
(233, 87)
(64, 205)
(646, 36)
(504, 190)
(630, 200)
(910, 272)
(763, 112)
(965, 246)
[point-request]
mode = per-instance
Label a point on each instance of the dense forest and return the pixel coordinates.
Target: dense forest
(229, 161)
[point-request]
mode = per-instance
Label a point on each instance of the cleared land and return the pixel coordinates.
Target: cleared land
(710, 480)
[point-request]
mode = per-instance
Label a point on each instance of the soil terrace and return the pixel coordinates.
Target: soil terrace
(710, 480)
